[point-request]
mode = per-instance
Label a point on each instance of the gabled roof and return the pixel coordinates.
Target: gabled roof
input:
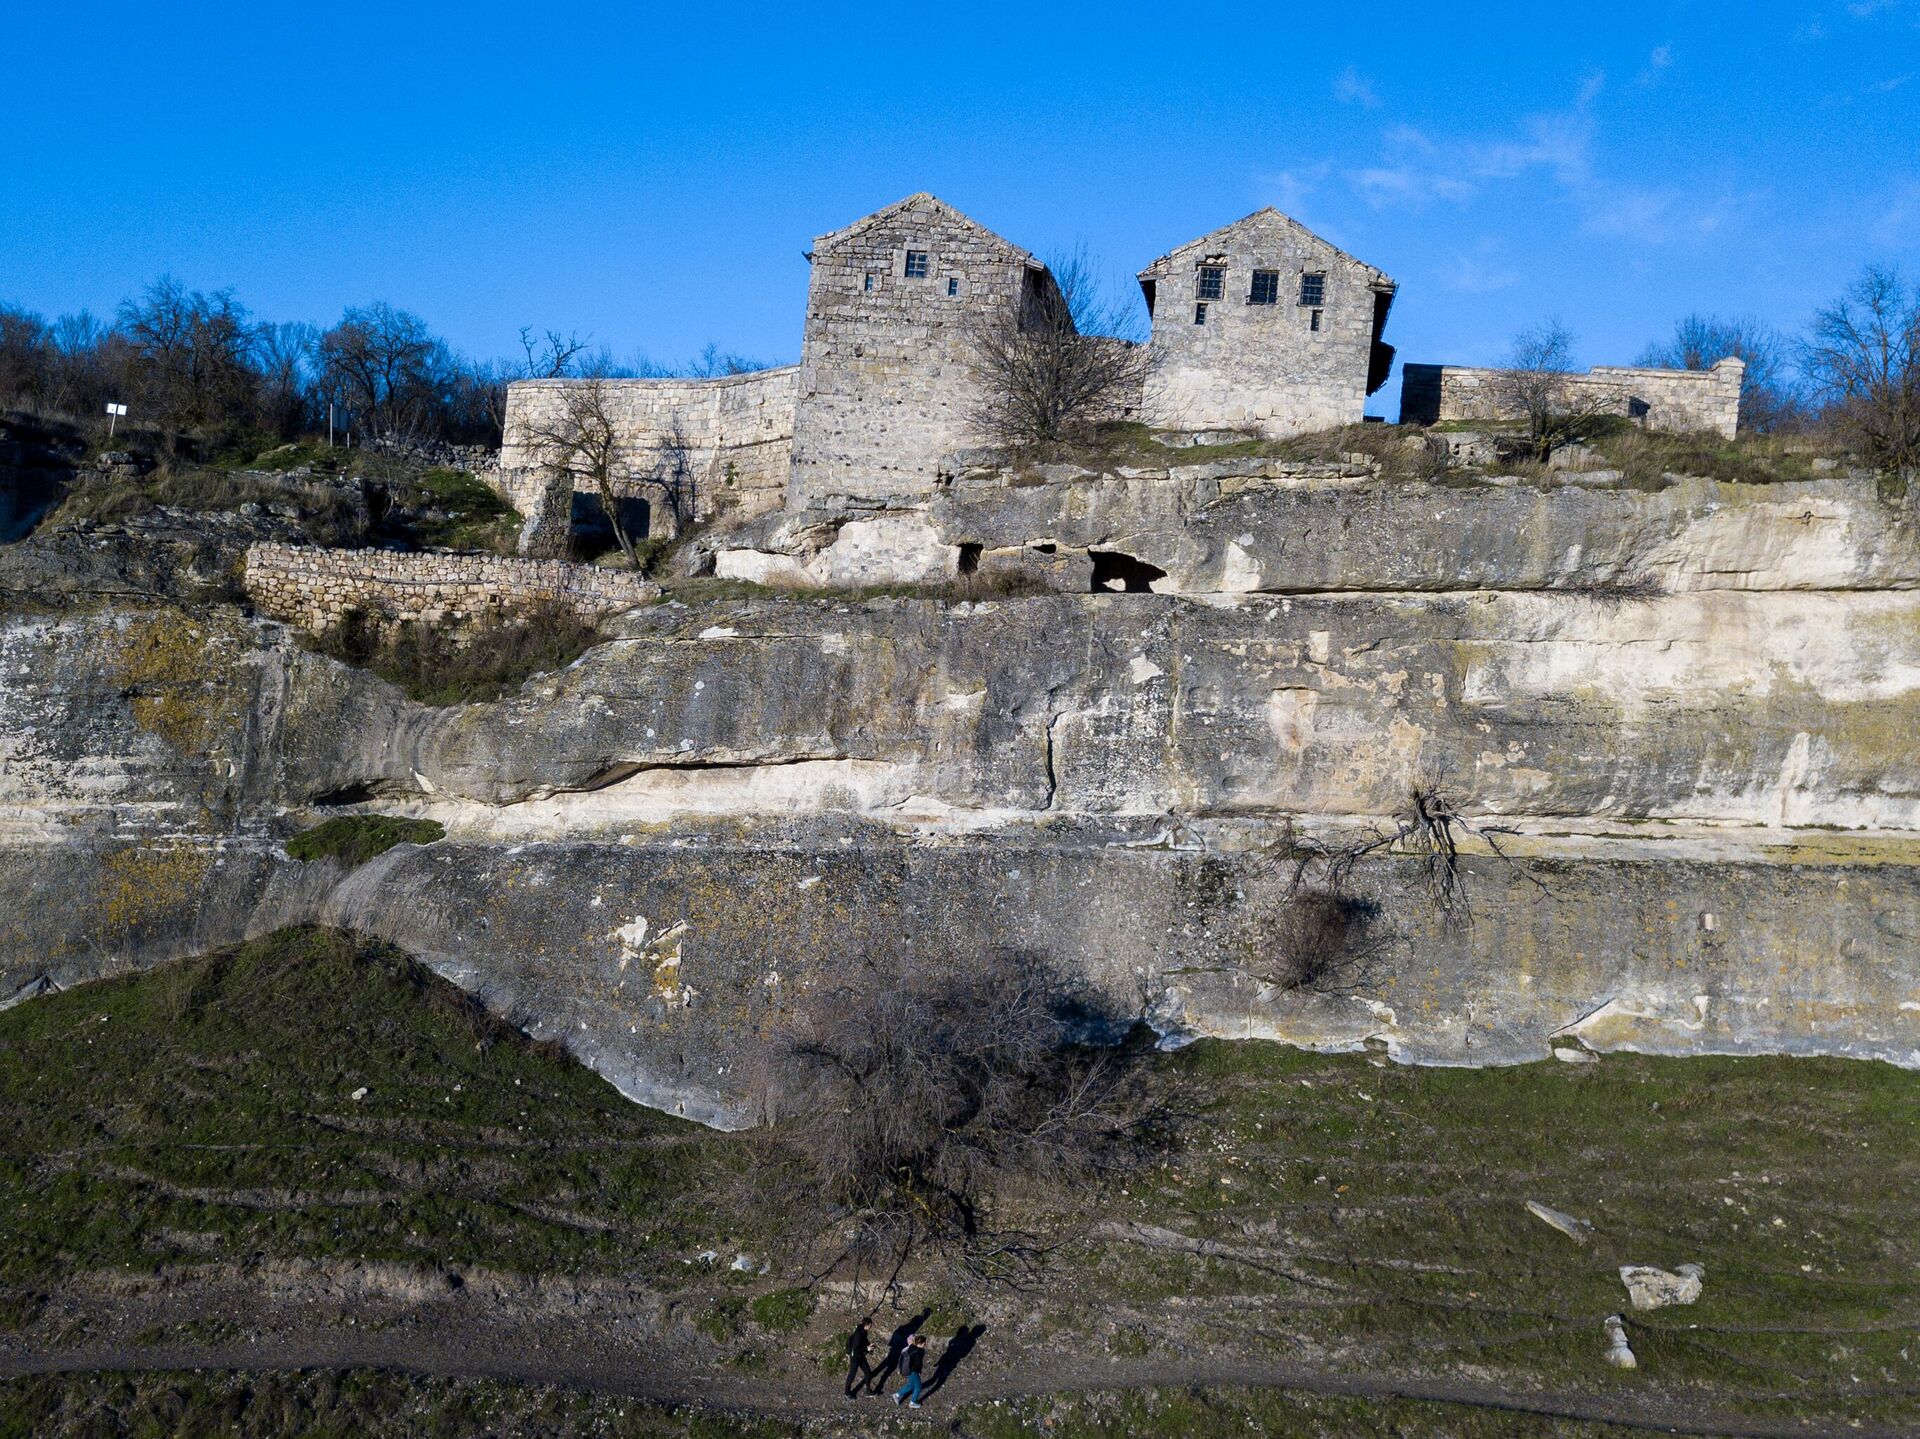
(1210, 241)
(923, 201)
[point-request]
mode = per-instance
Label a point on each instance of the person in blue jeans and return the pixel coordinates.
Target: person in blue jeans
(913, 1361)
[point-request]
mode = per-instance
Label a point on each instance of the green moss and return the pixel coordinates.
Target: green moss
(783, 1311)
(454, 510)
(355, 839)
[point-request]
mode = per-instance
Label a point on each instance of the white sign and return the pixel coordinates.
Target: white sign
(116, 409)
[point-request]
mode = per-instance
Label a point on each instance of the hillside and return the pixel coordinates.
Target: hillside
(190, 1182)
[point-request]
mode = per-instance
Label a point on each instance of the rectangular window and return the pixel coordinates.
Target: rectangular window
(1266, 288)
(1313, 287)
(1213, 282)
(916, 264)
(953, 286)
(869, 282)
(1199, 314)
(1313, 321)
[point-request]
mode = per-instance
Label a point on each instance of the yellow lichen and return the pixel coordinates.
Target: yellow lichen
(142, 884)
(176, 681)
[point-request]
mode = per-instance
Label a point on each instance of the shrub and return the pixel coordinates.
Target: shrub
(439, 666)
(908, 1097)
(358, 838)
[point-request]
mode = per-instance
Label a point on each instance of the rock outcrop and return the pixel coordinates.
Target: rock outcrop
(1703, 791)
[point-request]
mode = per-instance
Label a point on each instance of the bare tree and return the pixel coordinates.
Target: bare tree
(1699, 342)
(1540, 385)
(1057, 364)
(286, 355)
(390, 368)
(580, 439)
(192, 357)
(714, 363)
(1863, 356)
(904, 1101)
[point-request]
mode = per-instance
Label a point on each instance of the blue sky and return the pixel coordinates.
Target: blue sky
(651, 174)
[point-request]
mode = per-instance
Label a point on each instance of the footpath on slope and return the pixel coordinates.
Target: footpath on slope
(594, 1362)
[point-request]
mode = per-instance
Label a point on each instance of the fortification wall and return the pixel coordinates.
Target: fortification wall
(1660, 399)
(315, 588)
(733, 433)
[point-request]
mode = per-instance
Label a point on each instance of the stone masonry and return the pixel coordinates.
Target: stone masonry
(880, 403)
(316, 588)
(733, 434)
(886, 381)
(1706, 400)
(1262, 325)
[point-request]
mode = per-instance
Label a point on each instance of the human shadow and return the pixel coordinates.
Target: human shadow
(896, 1348)
(958, 1348)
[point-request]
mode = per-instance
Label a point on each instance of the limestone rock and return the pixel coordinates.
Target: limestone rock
(1651, 1288)
(1578, 1230)
(1619, 1354)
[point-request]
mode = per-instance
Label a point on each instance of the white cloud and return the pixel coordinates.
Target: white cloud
(1291, 189)
(1417, 170)
(1657, 64)
(1480, 272)
(1350, 87)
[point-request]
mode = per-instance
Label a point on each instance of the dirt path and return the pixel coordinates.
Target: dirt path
(574, 1361)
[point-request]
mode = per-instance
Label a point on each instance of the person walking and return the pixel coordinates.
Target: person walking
(913, 1361)
(859, 1371)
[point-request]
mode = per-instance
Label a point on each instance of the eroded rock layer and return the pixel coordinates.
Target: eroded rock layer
(1707, 799)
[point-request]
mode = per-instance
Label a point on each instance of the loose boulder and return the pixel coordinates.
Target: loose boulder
(1651, 1288)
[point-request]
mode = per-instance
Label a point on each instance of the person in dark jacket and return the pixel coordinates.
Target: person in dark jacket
(859, 1371)
(913, 1361)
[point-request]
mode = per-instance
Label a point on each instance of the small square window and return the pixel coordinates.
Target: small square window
(1213, 282)
(1199, 314)
(1266, 288)
(953, 286)
(1313, 287)
(916, 264)
(1313, 320)
(869, 284)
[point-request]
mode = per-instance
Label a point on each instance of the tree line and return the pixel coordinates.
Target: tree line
(200, 371)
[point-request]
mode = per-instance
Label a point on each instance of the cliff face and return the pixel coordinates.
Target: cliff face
(1709, 799)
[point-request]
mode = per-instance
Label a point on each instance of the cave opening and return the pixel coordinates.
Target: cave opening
(1115, 571)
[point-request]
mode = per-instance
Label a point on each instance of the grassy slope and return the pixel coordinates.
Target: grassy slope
(204, 1113)
(1372, 1216)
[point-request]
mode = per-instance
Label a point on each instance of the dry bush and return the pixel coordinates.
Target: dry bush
(908, 1101)
(1321, 939)
(1317, 934)
(438, 665)
(1057, 367)
(1402, 452)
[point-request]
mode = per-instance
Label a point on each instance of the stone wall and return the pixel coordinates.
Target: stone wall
(886, 382)
(734, 434)
(1261, 367)
(1706, 400)
(315, 588)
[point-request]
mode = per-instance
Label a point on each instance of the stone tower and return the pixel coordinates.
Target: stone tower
(885, 379)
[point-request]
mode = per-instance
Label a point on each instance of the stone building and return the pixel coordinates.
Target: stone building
(1262, 325)
(1706, 399)
(1259, 326)
(886, 383)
